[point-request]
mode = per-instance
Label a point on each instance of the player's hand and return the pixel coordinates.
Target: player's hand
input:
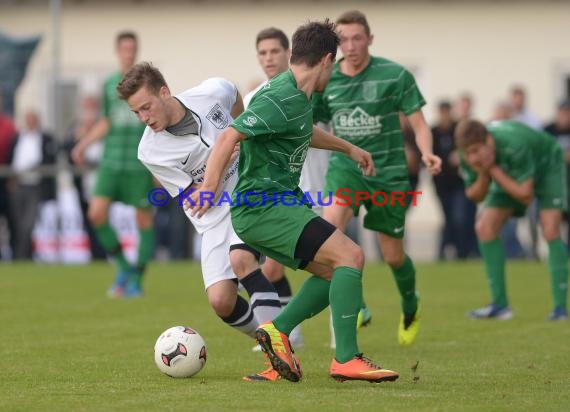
(487, 158)
(364, 160)
(201, 199)
(77, 155)
(433, 163)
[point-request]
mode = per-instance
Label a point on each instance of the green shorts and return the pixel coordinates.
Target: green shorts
(273, 230)
(386, 205)
(550, 189)
(129, 187)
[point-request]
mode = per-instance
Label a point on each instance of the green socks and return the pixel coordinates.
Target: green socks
(145, 253)
(494, 257)
(405, 277)
(558, 267)
(493, 254)
(346, 300)
(310, 300)
(108, 238)
(110, 242)
(345, 295)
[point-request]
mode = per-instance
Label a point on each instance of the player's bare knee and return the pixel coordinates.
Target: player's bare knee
(394, 260)
(243, 262)
(327, 273)
(352, 256)
(273, 271)
(96, 216)
(221, 305)
(551, 233)
(485, 230)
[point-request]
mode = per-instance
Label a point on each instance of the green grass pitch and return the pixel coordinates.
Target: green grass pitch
(65, 346)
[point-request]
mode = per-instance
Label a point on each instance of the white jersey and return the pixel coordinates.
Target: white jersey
(316, 164)
(180, 161)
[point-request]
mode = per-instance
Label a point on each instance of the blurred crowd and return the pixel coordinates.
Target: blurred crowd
(31, 157)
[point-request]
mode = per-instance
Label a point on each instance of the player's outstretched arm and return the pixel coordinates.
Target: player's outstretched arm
(215, 167)
(424, 140)
(324, 140)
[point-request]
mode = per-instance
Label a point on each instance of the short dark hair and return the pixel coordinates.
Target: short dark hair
(140, 75)
(563, 104)
(469, 132)
(272, 33)
(518, 89)
(354, 17)
(313, 41)
(444, 105)
(125, 35)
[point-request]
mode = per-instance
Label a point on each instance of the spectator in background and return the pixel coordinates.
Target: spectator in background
(459, 212)
(7, 135)
(31, 148)
(520, 109)
(463, 107)
(89, 114)
(502, 110)
(560, 129)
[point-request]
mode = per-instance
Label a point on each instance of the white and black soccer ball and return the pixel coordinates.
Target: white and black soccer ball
(180, 352)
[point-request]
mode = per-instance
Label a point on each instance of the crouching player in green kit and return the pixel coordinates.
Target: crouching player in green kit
(506, 165)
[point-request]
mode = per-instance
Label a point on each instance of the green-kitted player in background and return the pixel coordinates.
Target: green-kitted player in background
(121, 176)
(362, 102)
(506, 165)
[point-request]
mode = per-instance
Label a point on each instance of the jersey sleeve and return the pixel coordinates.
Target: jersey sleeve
(262, 119)
(172, 179)
(410, 97)
(223, 90)
(321, 111)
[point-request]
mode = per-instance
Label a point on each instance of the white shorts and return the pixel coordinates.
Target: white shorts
(215, 258)
(313, 176)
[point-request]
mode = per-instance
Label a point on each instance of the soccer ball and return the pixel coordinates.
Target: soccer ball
(180, 352)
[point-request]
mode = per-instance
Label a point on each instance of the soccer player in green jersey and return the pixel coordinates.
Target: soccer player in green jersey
(275, 132)
(121, 176)
(273, 53)
(362, 102)
(506, 165)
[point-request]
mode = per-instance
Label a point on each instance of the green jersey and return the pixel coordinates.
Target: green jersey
(278, 124)
(125, 130)
(521, 152)
(364, 110)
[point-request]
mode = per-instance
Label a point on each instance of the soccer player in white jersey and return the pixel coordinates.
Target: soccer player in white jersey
(181, 131)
